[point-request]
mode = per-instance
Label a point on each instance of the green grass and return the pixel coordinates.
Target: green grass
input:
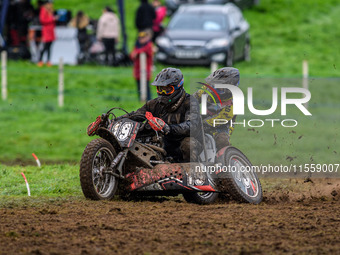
(32, 121)
(283, 33)
(51, 181)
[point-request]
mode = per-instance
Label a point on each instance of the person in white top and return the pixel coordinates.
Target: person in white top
(108, 32)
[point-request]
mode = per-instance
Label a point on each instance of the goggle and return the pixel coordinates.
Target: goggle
(166, 90)
(220, 91)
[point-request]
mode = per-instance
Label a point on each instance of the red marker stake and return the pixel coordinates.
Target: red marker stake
(27, 186)
(36, 159)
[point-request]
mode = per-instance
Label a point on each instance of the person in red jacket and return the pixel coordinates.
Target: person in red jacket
(143, 45)
(157, 26)
(47, 20)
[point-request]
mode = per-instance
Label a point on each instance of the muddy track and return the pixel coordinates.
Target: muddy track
(283, 223)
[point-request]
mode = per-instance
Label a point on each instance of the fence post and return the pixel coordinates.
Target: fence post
(143, 83)
(4, 75)
(61, 83)
(213, 66)
(305, 78)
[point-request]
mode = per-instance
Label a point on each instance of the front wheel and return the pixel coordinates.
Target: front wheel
(240, 180)
(96, 158)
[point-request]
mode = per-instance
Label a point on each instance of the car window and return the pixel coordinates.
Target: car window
(199, 21)
(211, 25)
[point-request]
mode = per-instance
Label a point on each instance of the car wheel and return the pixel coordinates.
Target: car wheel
(230, 57)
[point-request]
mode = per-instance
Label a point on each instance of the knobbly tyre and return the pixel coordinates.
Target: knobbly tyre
(130, 154)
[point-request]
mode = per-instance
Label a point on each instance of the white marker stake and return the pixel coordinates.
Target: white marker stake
(143, 77)
(27, 186)
(213, 66)
(4, 75)
(36, 159)
(61, 83)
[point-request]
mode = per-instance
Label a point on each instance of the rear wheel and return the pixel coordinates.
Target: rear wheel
(202, 198)
(240, 181)
(96, 158)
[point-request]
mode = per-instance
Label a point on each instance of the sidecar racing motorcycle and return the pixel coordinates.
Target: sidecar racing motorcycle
(129, 158)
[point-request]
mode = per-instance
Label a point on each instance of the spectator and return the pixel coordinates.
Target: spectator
(145, 16)
(36, 20)
(108, 32)
(20, 14)
(157, 22)
(81, 21)
(47, 20)
(143, 45)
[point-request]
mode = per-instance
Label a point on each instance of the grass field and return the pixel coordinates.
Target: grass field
(51, 180)
(32, 121)
(283, 35)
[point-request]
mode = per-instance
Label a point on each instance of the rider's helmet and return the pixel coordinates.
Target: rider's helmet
(168, 81)
(225, 75)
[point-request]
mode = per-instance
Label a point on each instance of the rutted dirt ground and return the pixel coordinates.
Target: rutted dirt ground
(294, 218)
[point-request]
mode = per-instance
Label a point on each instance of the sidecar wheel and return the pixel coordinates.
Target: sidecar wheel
(96, 158)
(202, 198)
(241, 182)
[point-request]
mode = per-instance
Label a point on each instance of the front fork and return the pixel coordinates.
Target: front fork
(119, 160)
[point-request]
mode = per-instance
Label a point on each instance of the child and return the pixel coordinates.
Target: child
(143, 45)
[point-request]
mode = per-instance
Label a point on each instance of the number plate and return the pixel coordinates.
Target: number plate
(187, 54)
(125, 131)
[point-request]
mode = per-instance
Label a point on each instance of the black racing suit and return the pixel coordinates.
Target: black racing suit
(181, 112)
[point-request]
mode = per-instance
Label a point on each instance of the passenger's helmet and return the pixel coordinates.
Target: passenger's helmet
(168, 81)
(225, 75)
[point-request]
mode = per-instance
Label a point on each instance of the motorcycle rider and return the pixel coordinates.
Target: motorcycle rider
(180, 112)
(221, 133)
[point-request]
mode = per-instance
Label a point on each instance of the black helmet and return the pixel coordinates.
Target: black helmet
(168, 76)
(171, 77)
(225, 75)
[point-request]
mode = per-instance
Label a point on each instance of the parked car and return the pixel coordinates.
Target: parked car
(201, 34)
(173, 5)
